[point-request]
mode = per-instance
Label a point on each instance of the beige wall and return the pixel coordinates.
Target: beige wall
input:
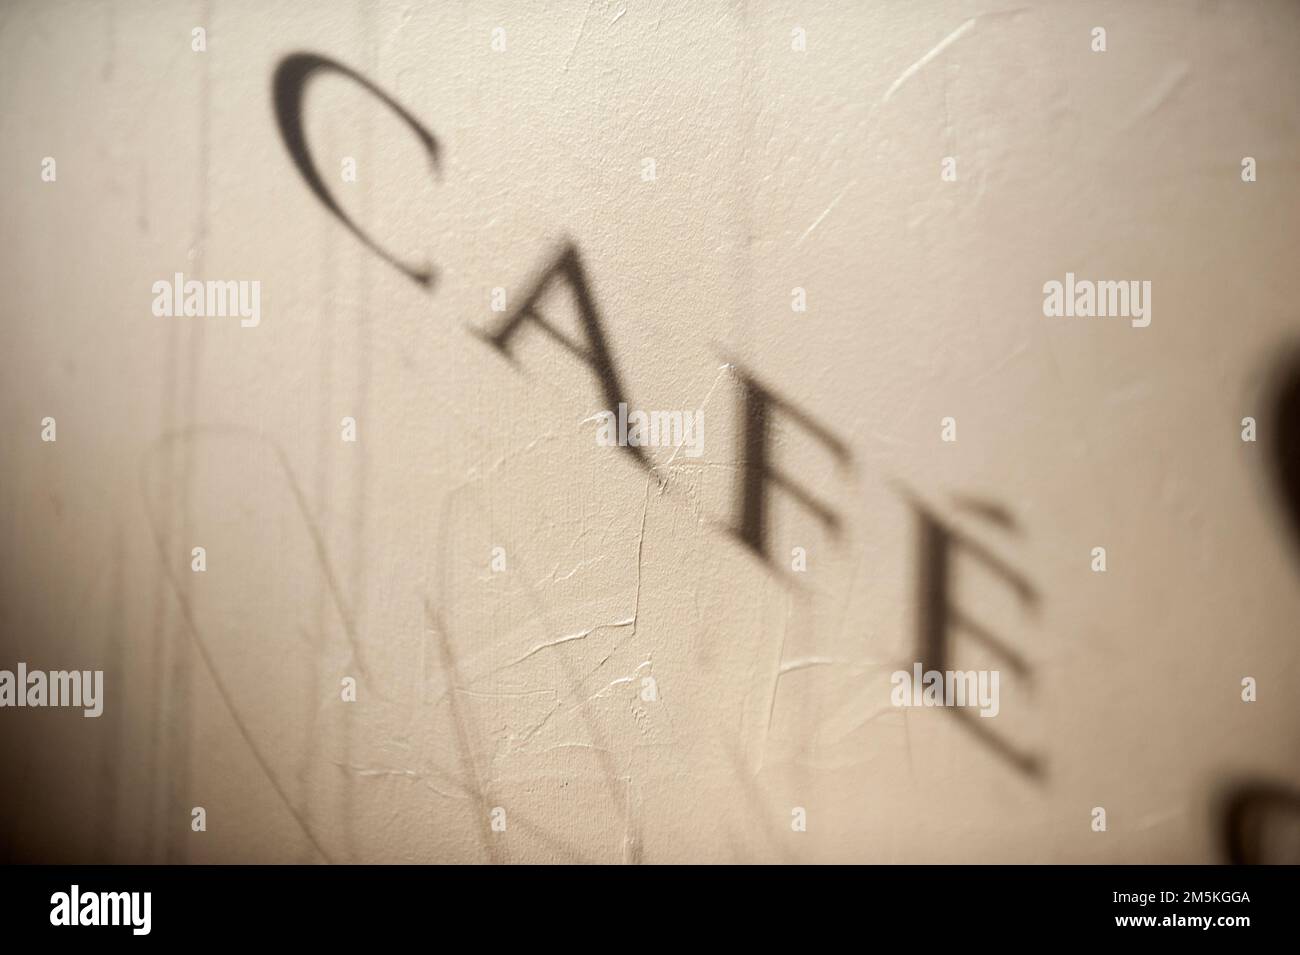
(523, 689)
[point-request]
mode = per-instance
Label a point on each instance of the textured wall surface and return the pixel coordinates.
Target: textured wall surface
(644, 672)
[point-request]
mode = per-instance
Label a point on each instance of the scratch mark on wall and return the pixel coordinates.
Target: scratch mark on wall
(640, 549)
(581, 30)
(825, 212)
(631, 837)
(723, 372)
(376, 771)
(465, 736)
(920, 64)
(192, 626)
(580, 635)
(609, 686)
(804, 663)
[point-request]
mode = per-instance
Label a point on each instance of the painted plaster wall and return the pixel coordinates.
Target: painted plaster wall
(775, 168)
